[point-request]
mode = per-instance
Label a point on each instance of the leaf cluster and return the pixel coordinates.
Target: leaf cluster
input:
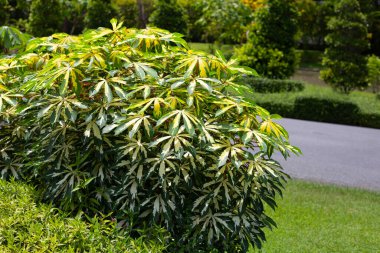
(133, 122)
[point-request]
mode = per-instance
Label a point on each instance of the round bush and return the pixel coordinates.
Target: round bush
(132, 122)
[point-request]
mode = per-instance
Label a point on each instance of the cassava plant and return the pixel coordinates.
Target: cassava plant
(133, 122)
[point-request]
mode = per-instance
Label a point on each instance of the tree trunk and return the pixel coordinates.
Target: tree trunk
(142, 18)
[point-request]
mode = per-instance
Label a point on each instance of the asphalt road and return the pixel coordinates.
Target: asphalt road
(337, 154)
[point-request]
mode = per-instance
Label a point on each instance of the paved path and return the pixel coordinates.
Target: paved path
(338, 154)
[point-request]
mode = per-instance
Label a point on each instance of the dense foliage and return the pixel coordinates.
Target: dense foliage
(373, 66)
(344, 63)
(169, 15)
(45, 17)
(28, 226)
(224, 21)
(271, 45)
(133, 122)
(98, 13)
(14, 13)
(312, 20)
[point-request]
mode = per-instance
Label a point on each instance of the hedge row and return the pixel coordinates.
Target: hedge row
(264, 85)
(323, 110)
(26, 226)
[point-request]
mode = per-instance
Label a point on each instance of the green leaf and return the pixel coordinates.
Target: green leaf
(166, 117)
(191, 87)
(44, 110)
(223, 157)
(121, 128)
(175, 125)
(109, 128)
(108, 93)
(162, 169)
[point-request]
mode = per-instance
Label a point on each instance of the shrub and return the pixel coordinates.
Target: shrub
(343, 62)
(279, 107)
(327, 110)
(26, 226)
(373, 66)
(98, 13)
(224, 21)
(14, 13)
(169, 15)
(131, 121)
(271, 48)
(45, 17)
(128, 11)
(323, 110)
(263, 85)
(74, 13)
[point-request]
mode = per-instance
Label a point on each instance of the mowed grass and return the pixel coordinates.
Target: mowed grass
(321, 218)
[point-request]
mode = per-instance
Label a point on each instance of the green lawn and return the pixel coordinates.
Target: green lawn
(320, 218)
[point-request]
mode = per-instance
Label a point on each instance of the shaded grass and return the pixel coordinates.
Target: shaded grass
(310, 58)
(314, 217)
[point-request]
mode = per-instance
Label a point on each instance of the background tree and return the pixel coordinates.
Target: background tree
(312, 20)
(374, 73)
(128, 12)
(254, 4)
(99, 13)
(373, 18)
(74, 13)
(224, 20)
(344, 63)
(193, 11)
(4, 12)
(169, 15)
(45, 17)
(271, 44)
(14, 13)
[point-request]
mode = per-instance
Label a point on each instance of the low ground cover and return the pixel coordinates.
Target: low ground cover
(27, 226)
(315, 217)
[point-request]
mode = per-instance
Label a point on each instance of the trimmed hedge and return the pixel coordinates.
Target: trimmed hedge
(264, 85)
(26, 226)
(326, 110)
(323, 110)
